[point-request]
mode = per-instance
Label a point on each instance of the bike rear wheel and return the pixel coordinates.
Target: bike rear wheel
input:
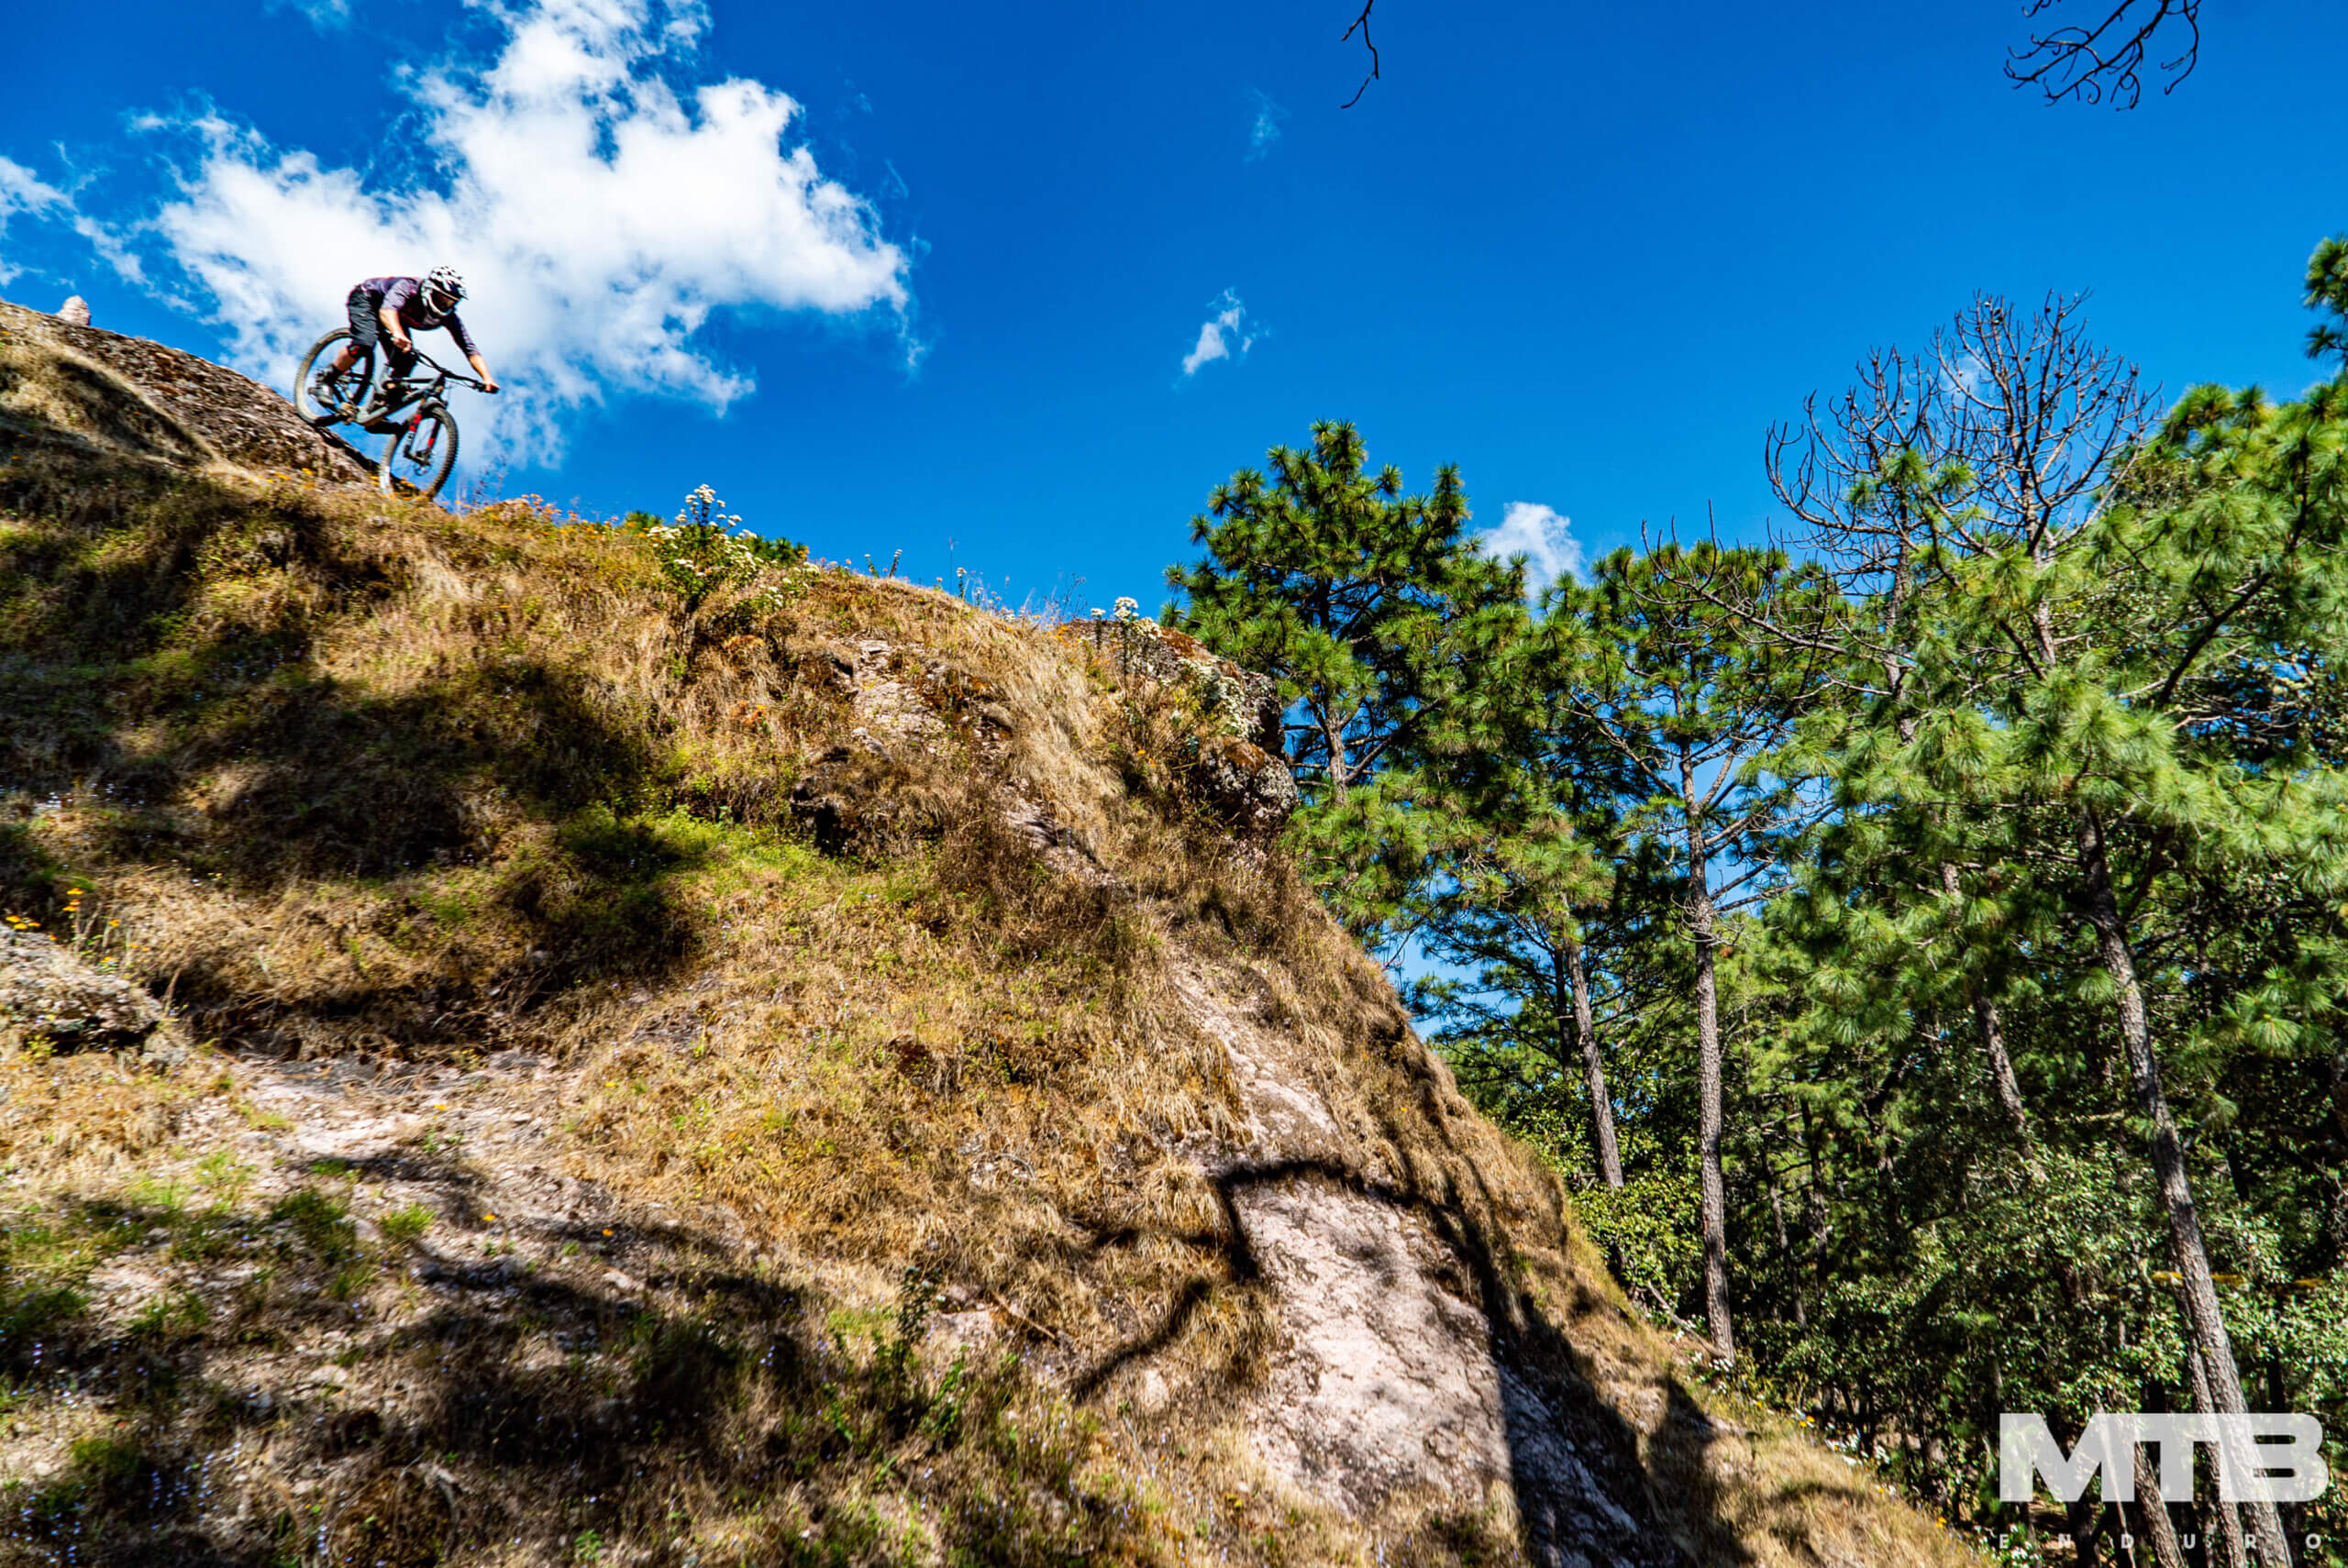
(350, 390)
(419, 454)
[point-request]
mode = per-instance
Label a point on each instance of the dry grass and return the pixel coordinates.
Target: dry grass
(392, 799)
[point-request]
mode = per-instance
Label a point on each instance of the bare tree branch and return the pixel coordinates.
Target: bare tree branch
(1362, 23)
(2007, 430)
(2086, 64)
(2083, 63)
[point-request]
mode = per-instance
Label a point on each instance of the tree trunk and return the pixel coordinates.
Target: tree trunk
(1335, 735)
(2152, 1513)
(2218, 1512)
(2192, 1253)
(1601, 1105)
(2083, 1521)
(1985, 1010)
(1708, 1069)
(1820, 1225)
(1993, 1034)
(1785, 1243)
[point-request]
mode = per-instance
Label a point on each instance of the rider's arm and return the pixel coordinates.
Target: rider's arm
(393, 311)
(456, 326)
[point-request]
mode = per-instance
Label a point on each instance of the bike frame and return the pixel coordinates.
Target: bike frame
(417, 394)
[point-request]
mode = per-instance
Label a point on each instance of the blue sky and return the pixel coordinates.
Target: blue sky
(942, 298)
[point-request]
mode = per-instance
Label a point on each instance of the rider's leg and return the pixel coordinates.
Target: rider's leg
(391, 390)
(364, 331)
(364, 328)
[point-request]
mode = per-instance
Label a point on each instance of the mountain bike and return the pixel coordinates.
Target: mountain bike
(420, 448)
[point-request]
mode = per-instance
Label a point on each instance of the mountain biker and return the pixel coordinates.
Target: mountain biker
(393, 309)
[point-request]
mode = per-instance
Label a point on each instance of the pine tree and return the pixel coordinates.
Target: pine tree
(1882, 488)
(2087, 693)
(1668, 676)
(1392, 637)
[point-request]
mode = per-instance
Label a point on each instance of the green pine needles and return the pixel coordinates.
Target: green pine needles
(1392, 637)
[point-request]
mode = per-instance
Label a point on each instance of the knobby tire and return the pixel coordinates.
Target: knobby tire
(444, 455)
(362, 369)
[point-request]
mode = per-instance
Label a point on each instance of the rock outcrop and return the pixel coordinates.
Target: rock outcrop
(65, 384)
(1230, 755)
(1252, 790)
(48, 992)
(1244, 703)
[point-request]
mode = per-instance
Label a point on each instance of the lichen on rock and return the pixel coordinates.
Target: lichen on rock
(1231, 760)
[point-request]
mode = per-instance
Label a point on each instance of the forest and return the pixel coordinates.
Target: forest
(1918, 942)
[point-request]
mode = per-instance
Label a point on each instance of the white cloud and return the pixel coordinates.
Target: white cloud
(599, 215)
(327, 16)
(26, 195)
(23, 192)
(1266, 127)
(1544, 537)
(1224, 336)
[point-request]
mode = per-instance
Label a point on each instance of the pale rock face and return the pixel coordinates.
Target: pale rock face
(74, 312)
(1389, 1382)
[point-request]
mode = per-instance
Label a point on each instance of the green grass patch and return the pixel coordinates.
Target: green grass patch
(106, 1459)
(43, 1263)
(318, 1225)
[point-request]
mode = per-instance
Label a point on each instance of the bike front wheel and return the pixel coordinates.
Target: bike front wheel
(324, 397)
(419, 454)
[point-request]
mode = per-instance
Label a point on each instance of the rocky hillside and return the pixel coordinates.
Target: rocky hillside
(505, 1064)
(80, 388)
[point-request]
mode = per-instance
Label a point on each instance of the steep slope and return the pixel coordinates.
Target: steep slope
(823, 1074)
(102, 394)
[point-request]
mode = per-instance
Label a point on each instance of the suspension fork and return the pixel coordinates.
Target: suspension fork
(415, 419)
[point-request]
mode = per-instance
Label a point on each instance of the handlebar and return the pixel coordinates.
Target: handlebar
(452, 375)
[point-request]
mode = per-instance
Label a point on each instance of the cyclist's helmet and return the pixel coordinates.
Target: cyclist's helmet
(443, 287)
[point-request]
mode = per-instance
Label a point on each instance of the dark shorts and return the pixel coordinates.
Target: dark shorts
(367, 331)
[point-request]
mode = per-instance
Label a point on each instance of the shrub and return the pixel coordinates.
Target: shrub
(1649, 1232)
(706, 548)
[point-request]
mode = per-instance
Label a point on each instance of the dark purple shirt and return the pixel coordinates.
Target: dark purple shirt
(405, 298)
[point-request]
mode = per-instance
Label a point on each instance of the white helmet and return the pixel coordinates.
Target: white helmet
(445, 281)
